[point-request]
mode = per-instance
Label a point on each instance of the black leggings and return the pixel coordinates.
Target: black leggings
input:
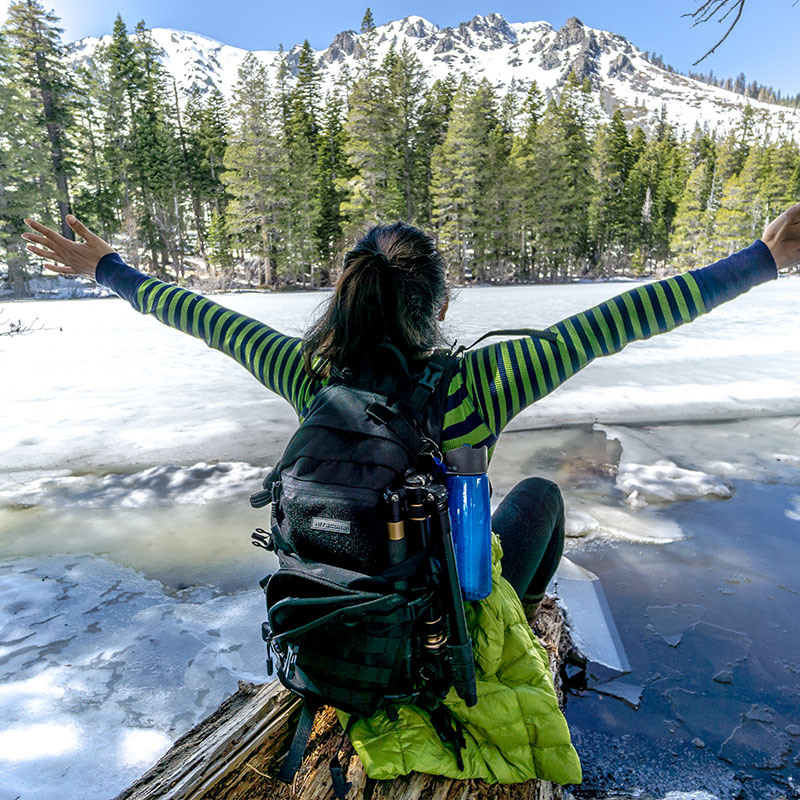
(530, 524)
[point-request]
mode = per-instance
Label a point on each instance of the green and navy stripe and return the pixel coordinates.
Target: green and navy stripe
(504, 378)
(495, 382)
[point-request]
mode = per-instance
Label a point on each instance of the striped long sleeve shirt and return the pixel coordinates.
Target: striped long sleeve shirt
(494, 383)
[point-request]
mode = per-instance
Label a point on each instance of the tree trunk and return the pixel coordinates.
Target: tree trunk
(54, 131)
(235, 753)
(17, 278)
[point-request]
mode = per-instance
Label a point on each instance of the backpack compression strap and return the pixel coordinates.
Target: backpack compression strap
(299, 744)
(297, 750)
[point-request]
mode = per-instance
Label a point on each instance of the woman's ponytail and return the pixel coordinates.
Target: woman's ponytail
(392, 288)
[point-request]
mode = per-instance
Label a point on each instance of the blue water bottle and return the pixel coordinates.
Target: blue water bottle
(470, 518)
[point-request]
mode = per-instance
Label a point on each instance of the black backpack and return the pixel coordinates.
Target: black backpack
(350, 623)
(365, 611)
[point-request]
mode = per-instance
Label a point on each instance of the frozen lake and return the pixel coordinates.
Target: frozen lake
(127, 606)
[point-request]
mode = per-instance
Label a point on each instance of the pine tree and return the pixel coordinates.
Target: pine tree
(656, 182)
(118, 87)
(552, 217)
(156, 158)
(332, 174)
(368, 41)
(733, 221)
(493, 231)
(434, 115)
(459, 177)
(94, 194)
(219, 241)
(577, 120)
(691, 235)
(36, 41)
(562, 160)
(405, 84)
(372, 192)
(781, 160)
(611, 212)
(24, 160)
(524, 183)
(255, 167)
(299, 139)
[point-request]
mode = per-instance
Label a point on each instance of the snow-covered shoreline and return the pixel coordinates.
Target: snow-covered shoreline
(64, 288)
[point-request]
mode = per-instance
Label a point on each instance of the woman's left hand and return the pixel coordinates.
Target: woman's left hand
(782, 236)
(76, 258)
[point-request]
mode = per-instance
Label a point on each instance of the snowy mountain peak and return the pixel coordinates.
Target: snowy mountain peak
(414, 26)
(509, 55)
(573, 31)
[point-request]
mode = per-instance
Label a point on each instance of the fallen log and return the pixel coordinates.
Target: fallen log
(235, 753)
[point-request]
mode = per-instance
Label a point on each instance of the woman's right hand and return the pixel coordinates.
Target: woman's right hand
(75, 258)
(782, 236)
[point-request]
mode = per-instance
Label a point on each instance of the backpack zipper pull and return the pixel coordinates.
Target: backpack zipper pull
(260, 538)
(270, 662)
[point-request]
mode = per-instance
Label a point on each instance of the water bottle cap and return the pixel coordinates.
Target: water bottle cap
(467, 460)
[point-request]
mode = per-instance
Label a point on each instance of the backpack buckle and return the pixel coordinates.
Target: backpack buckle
(291, 659)
(430, 377)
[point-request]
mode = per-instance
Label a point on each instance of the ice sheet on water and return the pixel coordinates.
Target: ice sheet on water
(162, 485)
(583, 464)
(698, 794)
(592, 625)
(101, 670)
(585, 518)
(794, 511)
(645, 476)
(670, 622)
(665, 463)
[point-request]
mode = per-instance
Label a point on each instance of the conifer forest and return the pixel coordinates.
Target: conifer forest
(269, 189)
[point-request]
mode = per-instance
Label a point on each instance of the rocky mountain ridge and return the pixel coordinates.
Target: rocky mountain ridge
(508, 54)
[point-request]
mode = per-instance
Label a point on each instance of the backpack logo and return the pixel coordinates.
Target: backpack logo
(330, 525)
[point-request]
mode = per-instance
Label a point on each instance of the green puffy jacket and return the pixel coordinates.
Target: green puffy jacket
(515, 732)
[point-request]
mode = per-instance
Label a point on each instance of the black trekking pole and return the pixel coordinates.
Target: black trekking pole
(459, 645)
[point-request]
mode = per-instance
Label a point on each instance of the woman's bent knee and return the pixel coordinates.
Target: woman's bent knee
(533, 492)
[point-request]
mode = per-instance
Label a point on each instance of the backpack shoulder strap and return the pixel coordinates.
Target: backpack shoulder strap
(429, 397)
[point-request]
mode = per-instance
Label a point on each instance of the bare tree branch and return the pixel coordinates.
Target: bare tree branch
(19, 328)
(709, 9)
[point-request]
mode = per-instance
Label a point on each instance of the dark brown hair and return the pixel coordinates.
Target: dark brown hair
(393, 287)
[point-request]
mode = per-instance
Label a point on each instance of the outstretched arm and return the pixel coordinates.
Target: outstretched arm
(500, 380)
(271, 357)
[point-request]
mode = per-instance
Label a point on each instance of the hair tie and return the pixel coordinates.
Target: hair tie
(380, 260)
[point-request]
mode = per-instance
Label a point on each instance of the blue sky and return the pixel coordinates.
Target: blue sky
(763, 46)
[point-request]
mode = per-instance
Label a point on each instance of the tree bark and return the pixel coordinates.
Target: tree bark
(236, 752)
